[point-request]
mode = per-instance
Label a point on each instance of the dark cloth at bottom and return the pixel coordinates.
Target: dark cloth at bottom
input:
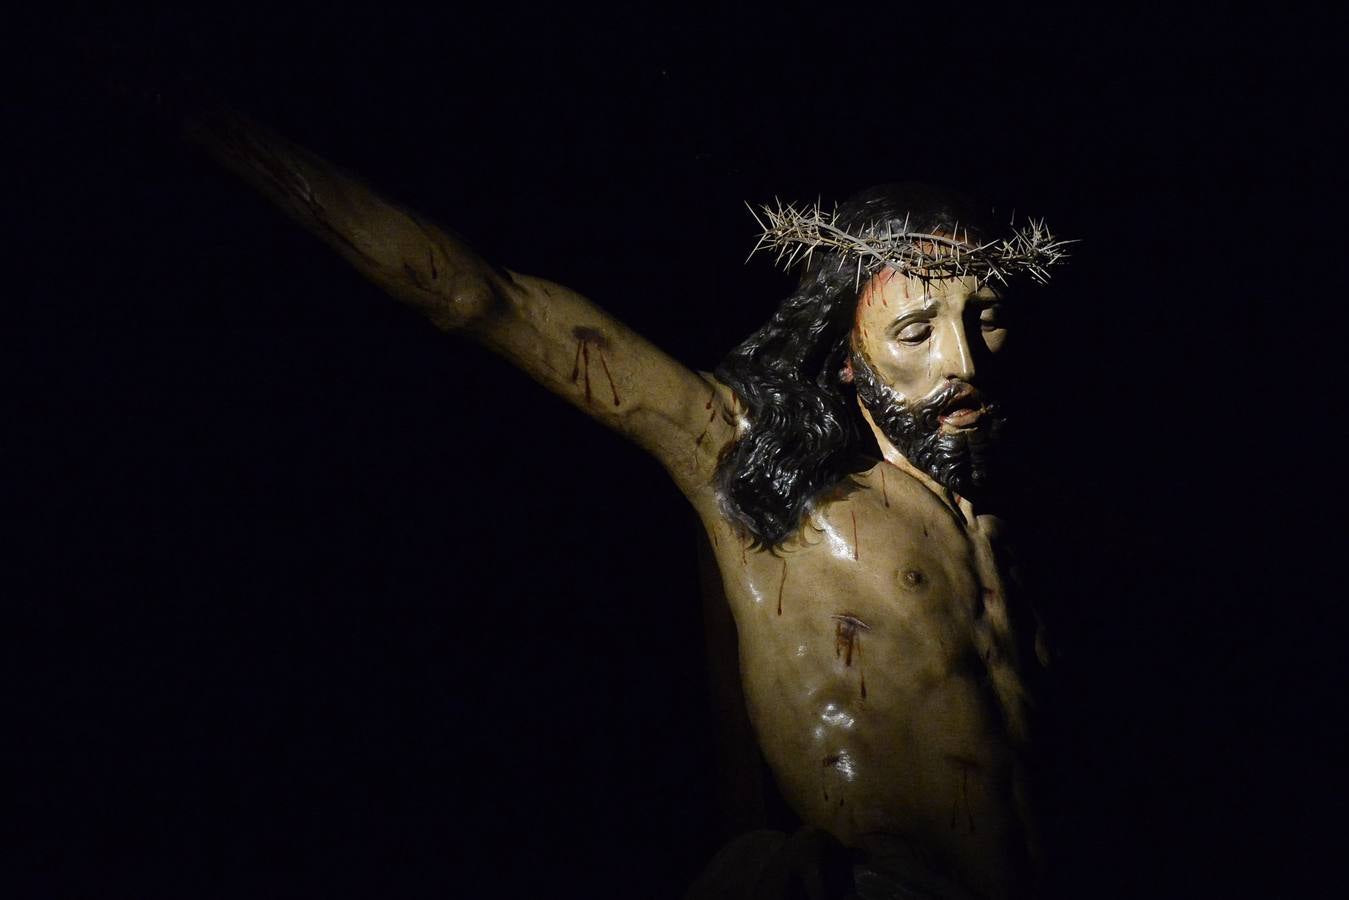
(812, 865)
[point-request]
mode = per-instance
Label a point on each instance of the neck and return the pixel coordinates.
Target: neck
(892, 455)
(889, 452)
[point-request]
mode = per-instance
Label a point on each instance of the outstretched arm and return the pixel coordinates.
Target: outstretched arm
(563, 341)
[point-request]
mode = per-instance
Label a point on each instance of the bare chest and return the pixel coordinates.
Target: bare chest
(874, 662)
(887, 574)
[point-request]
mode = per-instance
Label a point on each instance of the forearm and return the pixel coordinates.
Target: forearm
(562, 340)
(409, 258)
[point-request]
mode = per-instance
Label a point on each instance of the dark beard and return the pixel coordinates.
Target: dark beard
(963, 462)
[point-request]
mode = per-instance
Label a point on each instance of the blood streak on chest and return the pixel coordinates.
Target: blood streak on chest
(848, 644)
(782, 585)
(961, 801)
(837, 767)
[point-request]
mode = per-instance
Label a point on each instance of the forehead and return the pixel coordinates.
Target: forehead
(889, 295)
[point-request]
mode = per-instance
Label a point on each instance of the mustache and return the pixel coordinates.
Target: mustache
(953, 395)
(963, 462)
(944, 400)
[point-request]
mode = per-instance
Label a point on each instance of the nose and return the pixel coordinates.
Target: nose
(957, 360)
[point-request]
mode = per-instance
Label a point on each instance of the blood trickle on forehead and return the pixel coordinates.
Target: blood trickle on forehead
(875, 291)
(875, 288)
(908, 287)
(882, 294)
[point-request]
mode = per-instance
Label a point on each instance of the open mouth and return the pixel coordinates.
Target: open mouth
(964, 409)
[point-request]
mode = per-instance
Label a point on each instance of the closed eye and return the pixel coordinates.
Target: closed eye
(913, 327)
(914, 332)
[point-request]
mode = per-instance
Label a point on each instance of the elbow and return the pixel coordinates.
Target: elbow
(465, 300)
(425, 270)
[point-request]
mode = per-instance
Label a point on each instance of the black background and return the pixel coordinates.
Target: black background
(313, 600)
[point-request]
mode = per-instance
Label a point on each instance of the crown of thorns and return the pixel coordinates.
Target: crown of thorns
(797, 233)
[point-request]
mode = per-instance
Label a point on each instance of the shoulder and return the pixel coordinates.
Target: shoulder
(721, 419)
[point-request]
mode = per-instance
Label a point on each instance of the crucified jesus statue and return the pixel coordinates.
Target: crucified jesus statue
(843, 461)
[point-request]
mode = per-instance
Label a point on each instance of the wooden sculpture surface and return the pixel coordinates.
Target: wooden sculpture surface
(881, 657)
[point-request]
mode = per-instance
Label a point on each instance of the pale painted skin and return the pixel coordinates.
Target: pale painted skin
(920, 336)
(885, 692)
(893, 585)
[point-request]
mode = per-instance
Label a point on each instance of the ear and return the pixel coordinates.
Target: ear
(845, 374)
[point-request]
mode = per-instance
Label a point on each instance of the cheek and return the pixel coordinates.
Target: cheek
(903, 359)
(906, 369)
(995, 340)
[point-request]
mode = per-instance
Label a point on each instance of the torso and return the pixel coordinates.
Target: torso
(881, 675)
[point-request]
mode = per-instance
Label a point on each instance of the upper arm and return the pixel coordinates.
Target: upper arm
(612, 374)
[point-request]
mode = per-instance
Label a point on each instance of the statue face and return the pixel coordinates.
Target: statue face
(922, 358)
(921, 338)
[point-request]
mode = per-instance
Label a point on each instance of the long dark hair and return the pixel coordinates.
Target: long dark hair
(806, 435)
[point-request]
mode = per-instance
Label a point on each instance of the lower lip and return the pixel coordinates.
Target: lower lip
(963, 418)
